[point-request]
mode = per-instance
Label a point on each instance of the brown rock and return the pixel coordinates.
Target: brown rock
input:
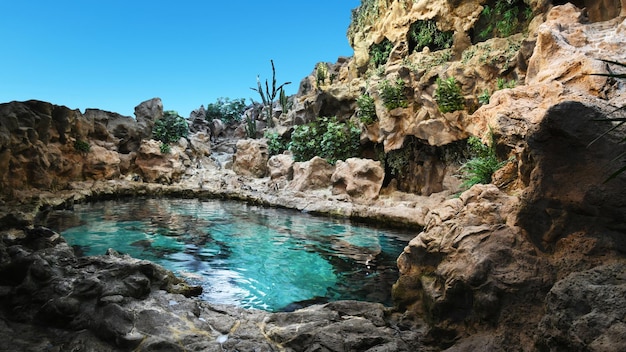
(280, 166)
(251, 158)
(101, 164)
(155, 166)
(310, 175)
(361, 179)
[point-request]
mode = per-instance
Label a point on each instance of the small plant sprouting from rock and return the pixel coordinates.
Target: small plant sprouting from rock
(503, 19)
(269, 95)
(327, 138)
(483, 98)
(321, 73)
(392, 94)
(483, 162)
(366, 110)
(426, 34)
(379, 53)
(502, 83)
(165, 148)
(82, 146)
(170, 128)
(448, 95)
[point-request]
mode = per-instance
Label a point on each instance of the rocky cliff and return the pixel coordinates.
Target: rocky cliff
(533, 261)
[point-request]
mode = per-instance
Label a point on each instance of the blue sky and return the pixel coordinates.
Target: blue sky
(114, 54)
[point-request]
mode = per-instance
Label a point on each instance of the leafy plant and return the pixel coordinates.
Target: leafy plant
(82, 146)
(165, 148)
(448, 95)
(426, 34)
(483, 98)
(327, 138)
(483, 163)
(392, 95)
(503, 19)
(502, 83)
(170, 128)
(268, 96)
(366, 110)
(225, 109)
(276, 144)
(379, 53)
(620, 120)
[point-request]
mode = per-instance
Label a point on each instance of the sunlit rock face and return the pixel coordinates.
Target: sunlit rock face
(251, 158)
(498, 260)
(359, 178)
(311, 175)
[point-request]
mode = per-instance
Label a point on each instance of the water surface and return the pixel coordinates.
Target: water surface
(249, 256)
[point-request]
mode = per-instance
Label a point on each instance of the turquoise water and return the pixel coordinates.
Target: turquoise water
(249, 256)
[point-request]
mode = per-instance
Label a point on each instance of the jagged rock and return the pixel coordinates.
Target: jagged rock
(361, 179)
(200, 143)
(251, 158)
(147, 113)
(312, 174)
(470, 264)
(123, 132)
(585, 312)
(157, 167)
(101, 164)
(280, 166)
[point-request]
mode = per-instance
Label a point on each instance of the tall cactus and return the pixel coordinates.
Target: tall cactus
(269, 95)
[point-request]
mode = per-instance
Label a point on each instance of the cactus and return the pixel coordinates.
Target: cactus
(269, 95)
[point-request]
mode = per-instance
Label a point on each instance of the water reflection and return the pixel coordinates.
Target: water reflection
(250, 256)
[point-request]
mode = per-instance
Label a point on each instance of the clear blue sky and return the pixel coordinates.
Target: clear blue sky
(114, 54)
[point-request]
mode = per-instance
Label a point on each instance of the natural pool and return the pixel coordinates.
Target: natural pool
(246, 255)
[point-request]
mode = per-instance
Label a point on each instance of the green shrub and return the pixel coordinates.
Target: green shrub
(321, 73)
(326, 138)
(165, 148)
(82, 146)
(225, 109)
(366, 110)
(276, 144)
(483, 98)
(503, 19)
(448, 95)
(502, 83)
(379, 53)
(392, 95)
(170, 128)
(482, 164)
(425, 34)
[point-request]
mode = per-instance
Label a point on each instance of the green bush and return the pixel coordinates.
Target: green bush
(165, 148)
(225, 109)
(448, 95)
(326, 138)
(366, 110)
(276, 144)
(170, 128)
(425, 34)
(482, 164)
(82, 146)
(503, 19)
(379, 53)
(392, 95)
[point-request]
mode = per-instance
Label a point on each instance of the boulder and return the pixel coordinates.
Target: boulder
(147, 113)
(585, 312)
(251, 158)
(361, 179)
(311, 175)
(472, 265)
(155, 166)
(101, 164)
(280, 166)
(123, 132)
